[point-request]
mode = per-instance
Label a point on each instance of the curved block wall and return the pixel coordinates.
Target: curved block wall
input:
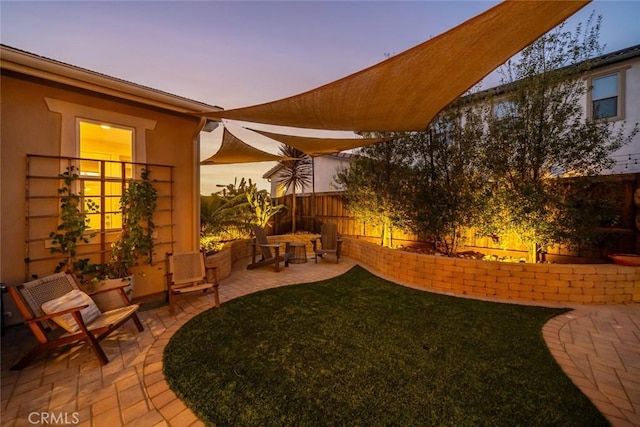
(570, 283)
(545, 283)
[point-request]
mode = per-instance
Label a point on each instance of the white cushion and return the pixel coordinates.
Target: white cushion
(72, 299)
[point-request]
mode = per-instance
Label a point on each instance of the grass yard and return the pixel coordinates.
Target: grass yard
(357, 350)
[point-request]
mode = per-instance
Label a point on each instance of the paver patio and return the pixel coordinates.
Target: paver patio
(598, 347)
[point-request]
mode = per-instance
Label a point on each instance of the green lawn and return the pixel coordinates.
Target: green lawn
(357, 350)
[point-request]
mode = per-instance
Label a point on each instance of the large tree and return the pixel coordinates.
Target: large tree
(539, 131)
(373, 185)
(294, 174)
(447, 191)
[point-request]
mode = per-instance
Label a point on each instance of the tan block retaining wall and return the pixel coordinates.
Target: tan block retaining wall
(570, 283)
(563, 283)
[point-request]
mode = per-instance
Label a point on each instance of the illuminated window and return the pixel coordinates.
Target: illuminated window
(103, 148)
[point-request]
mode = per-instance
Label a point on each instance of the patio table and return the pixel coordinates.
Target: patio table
(298, 251)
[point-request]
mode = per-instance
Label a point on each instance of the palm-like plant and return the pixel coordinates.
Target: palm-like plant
(294, 174)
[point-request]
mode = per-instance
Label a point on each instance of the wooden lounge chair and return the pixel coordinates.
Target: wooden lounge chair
(329, 242)
(268, 257)
(83, 321)
(187, 274)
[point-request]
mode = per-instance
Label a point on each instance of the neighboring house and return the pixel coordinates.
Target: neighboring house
(325, 169)
(615, 96)
(614, 80)
(55, 115)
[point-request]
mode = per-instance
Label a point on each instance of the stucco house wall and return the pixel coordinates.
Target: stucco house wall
(33, 124)
(628, 157)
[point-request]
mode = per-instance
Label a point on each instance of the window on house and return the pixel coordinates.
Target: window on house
(605, 96)
(102, 149)
(504, 109)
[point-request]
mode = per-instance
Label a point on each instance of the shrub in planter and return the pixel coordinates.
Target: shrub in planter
(135, 243)
(73, 227)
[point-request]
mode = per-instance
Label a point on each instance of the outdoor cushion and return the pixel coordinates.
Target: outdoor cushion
(74, 298)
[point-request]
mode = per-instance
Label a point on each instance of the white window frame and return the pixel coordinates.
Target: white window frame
(72, 113)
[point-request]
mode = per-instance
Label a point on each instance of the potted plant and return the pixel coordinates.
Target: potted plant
(135, 243)
(73, 227)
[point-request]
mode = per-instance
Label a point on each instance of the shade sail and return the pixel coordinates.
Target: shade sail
(234, 150)
(320, 146)
(405, 92)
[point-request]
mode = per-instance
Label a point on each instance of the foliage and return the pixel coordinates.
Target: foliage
(74, 225)
(210, 244)
(262, 207)
(138, 204)
(228, 214)
(293, 356)
(294, 174)
(540, 132)
(448, 191)
(372, 185)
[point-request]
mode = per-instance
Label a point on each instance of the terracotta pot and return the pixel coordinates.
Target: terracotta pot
(631, 260)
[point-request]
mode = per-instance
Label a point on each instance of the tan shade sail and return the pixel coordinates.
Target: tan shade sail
(405, 92)
(321, 146)
(234, 150)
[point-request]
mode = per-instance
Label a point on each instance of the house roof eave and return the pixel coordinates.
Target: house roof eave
(38, 66)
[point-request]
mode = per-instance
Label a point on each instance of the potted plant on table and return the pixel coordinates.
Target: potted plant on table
(135, 243)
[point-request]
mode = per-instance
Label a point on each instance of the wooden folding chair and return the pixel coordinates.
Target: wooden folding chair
(268, 257)
(329, 242)
(31, 296)
(187, 274)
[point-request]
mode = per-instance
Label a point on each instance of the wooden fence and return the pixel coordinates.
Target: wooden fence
(314, 210)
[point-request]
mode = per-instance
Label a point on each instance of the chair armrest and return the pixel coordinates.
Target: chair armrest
(56, 314)
(101, 291)
(214, 270)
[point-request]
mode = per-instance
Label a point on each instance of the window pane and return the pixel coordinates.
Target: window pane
(605, 87)
(110, 145)
(504, 109)
(605, 108)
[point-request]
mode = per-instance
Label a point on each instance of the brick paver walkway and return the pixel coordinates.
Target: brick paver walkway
(599, 348)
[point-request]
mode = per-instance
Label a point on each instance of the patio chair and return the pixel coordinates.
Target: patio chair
(187, 274)
(329, 242)
(58, 298)
(268, 257)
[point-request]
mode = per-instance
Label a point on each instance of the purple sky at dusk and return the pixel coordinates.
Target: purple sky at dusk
(235, 54)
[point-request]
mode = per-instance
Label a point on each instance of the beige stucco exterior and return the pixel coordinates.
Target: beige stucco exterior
(32, 91)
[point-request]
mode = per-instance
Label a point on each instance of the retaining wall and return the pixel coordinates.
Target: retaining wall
(570, 283)
(559, 283)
